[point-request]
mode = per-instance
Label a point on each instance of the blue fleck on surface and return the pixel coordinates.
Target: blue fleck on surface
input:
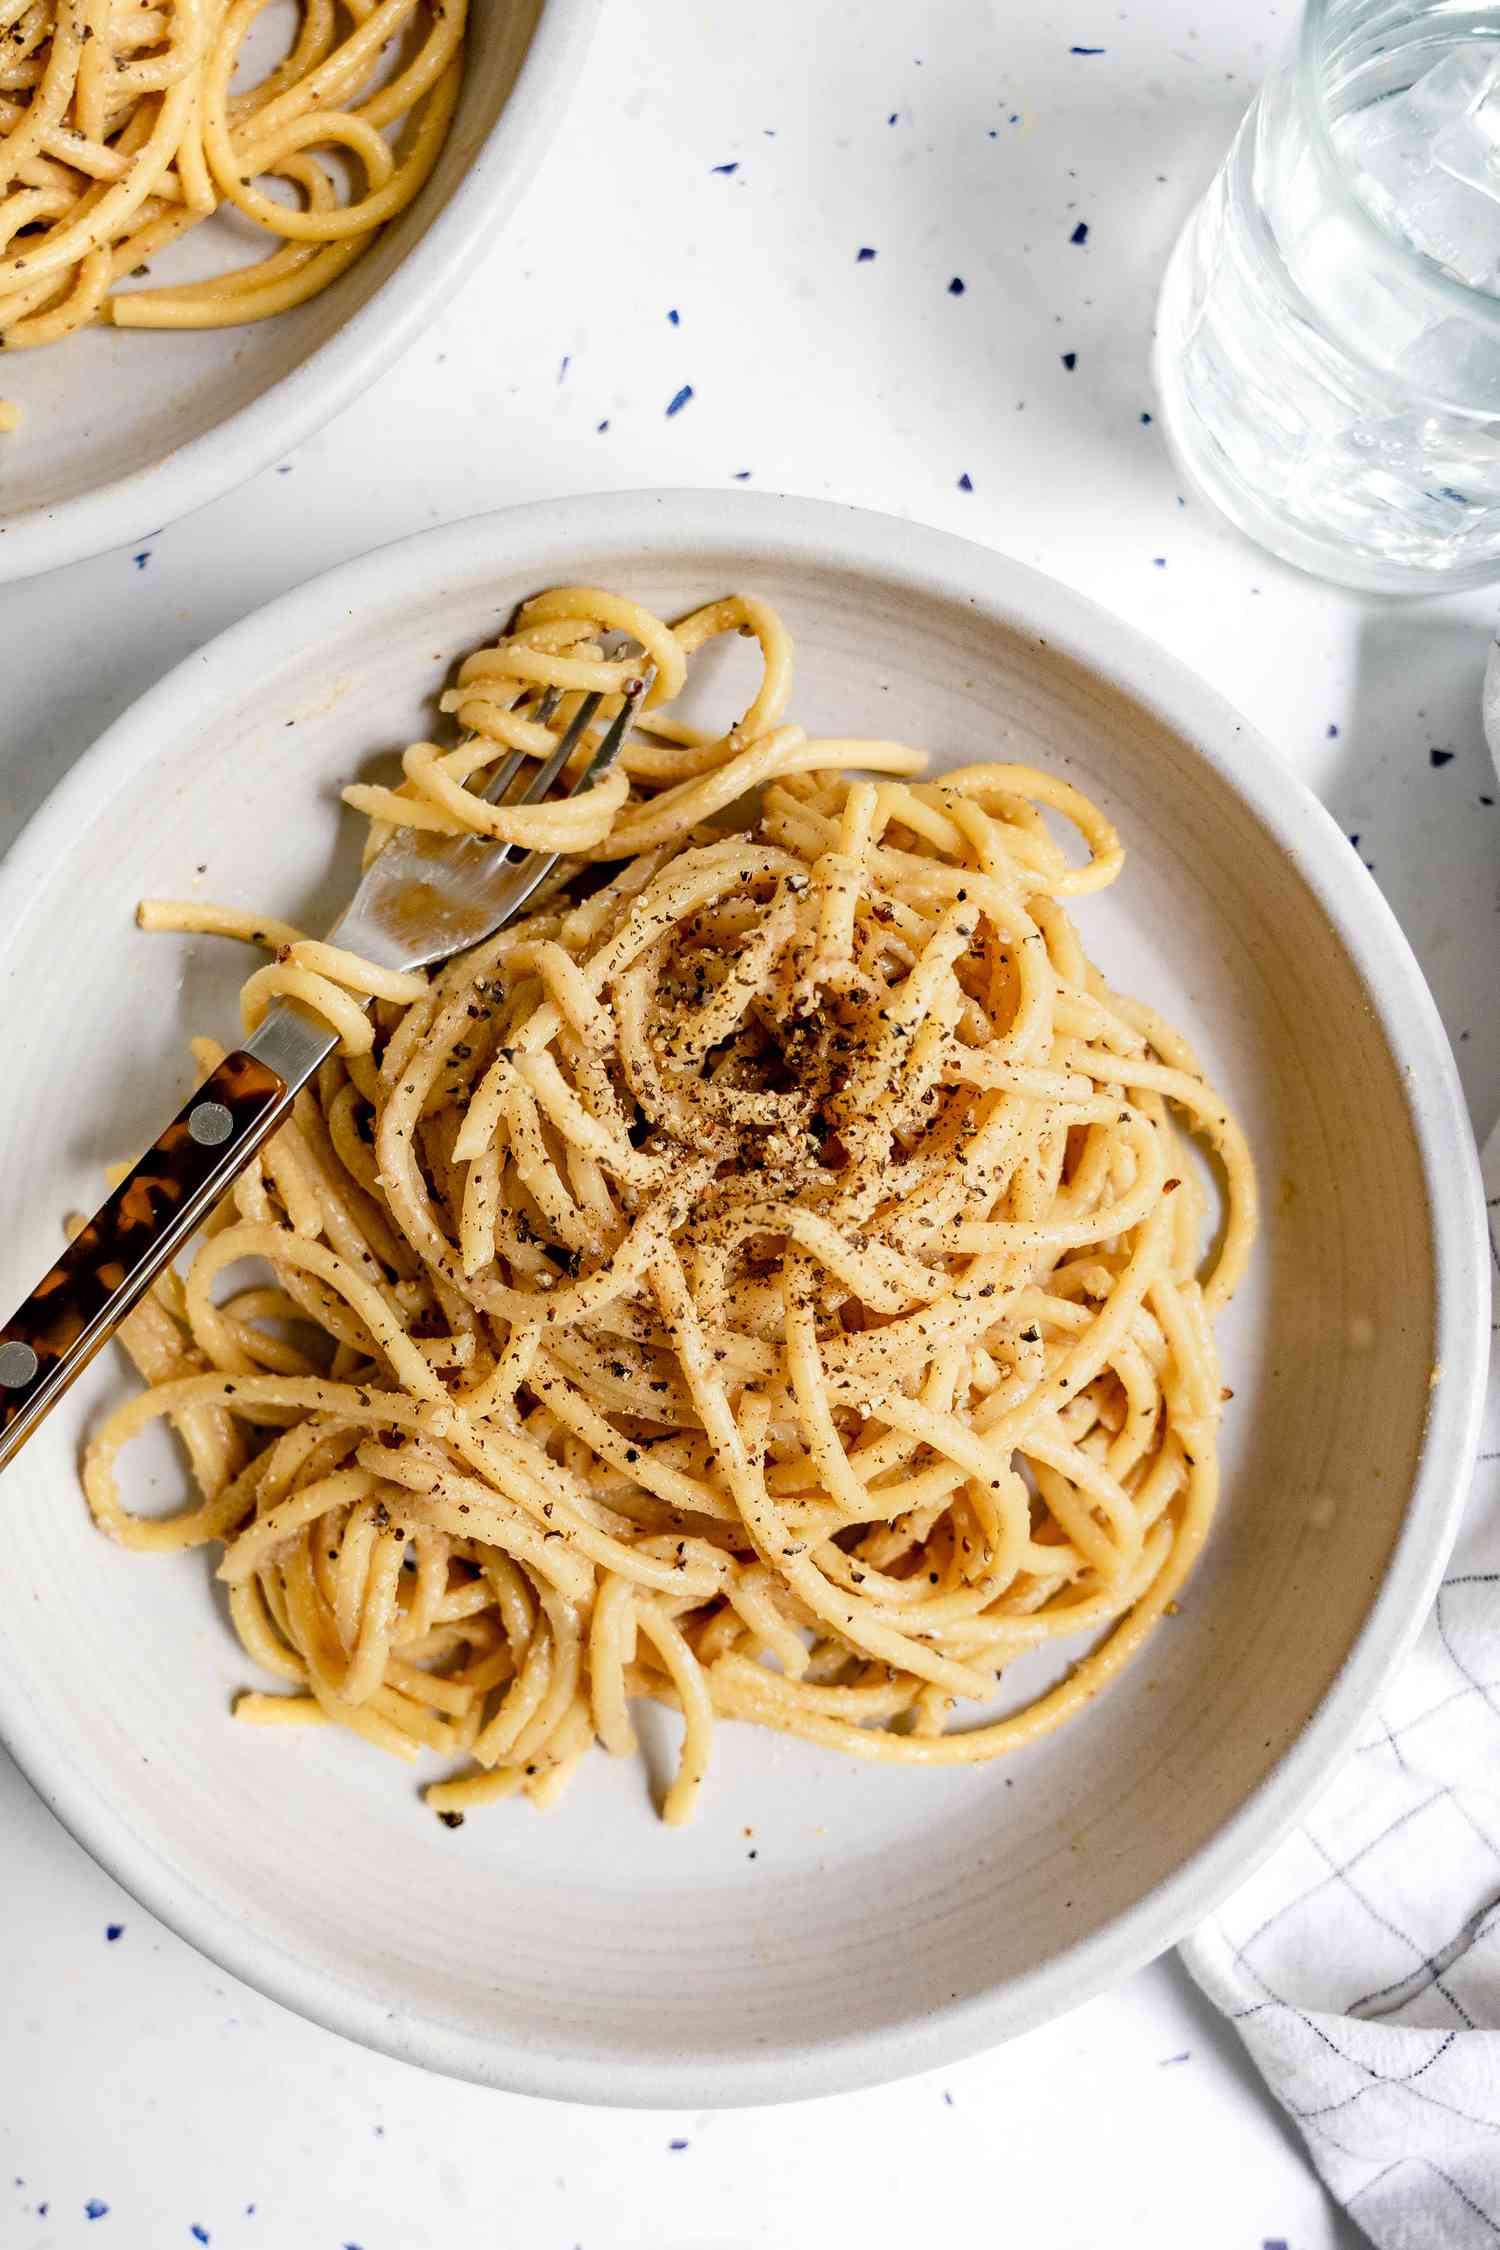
(679, 400)
(1158, 562)
(113, 1930)
(956, 286)
(1278, 2244)
(563, 365)
(1440, 757)
(1070, 361)
(895, 113)
(94, 2209)
(677, 2144)
(1333, 732)
(1080, 233)
(1145, 419)
(1185, 2056)
(1085, 50)
(142, 558)
(863, 255)
(199, 2234)
(601, 427)
(285, 469)
(675, 317)
(724, 170)
(947, 2099)
(742, 476)
(966, 482)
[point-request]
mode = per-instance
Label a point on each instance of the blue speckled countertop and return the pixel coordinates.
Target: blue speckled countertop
(907, 259)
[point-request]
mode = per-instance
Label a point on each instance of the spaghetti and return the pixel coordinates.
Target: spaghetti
(119, 134)
(767, 1280)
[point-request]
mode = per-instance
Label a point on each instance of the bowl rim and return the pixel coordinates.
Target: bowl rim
(37, 539)
(710, 524)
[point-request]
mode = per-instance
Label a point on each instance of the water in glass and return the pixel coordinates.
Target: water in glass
(1328, 339)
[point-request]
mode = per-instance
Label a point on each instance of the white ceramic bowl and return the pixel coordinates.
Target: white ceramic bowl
(889, 1920)
(124, 431)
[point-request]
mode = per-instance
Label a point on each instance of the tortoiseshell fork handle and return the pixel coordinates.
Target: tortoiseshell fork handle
(114, 1259)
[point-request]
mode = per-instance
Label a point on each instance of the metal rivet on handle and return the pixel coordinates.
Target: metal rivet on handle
(210, 1124)
(18, 1363)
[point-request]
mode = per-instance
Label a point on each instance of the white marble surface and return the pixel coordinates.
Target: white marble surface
(130, 2071)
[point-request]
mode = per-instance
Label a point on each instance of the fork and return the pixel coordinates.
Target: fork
(424, 898)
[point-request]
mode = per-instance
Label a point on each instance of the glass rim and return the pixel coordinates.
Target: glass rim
(1477, 304)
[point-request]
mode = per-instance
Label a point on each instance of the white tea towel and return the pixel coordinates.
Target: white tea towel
(1361, 1965)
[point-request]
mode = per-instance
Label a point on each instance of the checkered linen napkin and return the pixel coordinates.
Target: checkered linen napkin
(1361, 1965)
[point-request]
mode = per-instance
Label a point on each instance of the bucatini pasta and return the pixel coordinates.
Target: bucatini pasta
(769, 1279)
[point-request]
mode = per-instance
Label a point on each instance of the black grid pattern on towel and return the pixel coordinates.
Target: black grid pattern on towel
(1359, 1882)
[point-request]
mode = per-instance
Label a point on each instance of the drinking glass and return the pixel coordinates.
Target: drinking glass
(1328, 335)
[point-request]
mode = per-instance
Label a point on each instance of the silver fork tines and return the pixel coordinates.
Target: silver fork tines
(426, 896)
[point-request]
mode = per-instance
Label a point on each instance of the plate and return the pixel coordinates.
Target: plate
(124, 431)
(824, 1923)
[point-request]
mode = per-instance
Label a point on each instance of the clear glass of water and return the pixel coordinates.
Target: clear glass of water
(1328, 336)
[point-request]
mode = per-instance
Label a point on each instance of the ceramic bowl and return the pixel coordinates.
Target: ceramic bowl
(125, 430)
(824, 1923)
